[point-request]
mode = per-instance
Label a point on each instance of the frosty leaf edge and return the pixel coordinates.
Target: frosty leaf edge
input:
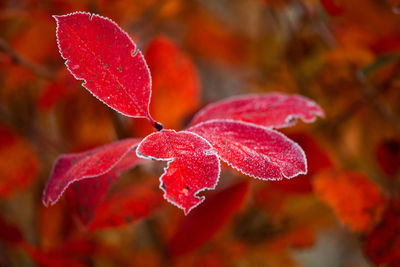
(295, 145)
(310, 107)
(172, 159)
(135, 52)
(47, 200)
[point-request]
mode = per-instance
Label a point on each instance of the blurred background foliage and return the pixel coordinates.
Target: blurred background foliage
(344, 212)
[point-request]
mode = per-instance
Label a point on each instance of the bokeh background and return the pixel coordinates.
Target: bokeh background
(344, 54)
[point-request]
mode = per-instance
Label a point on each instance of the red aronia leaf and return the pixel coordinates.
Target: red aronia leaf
(98, 52)
(256, 151)
(214, 213)
(275, 110)
(192, 165)
(90, 164)
(124, 206)
(85, 196)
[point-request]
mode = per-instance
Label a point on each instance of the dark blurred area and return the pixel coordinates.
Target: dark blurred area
(343, 54)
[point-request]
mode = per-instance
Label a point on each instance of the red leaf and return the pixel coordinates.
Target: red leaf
(98, 52)
(273, 110)
(256, 151)
(90, 164)
(192, 165)
(84, 196)
(126, 205)
(355, 199)
(202, 223)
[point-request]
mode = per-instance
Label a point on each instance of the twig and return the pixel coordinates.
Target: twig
(34, 68)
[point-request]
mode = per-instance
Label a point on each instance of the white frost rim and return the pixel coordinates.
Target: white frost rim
(297, 146)
(137, 51)
(169, 160)
(281, 96)
(49, 201)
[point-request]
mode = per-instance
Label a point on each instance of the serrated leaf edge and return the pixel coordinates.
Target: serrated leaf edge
(137, 51)
(288, 121)
(50, 202)
(265, 128)
(169, 160)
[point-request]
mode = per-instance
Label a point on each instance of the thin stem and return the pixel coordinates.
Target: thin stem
(158, 126)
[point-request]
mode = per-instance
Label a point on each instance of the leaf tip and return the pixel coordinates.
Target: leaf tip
(46, 200)
(190, 204)
(199, 200)
(320, 112)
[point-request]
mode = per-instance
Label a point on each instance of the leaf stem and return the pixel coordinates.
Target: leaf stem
(158, 126)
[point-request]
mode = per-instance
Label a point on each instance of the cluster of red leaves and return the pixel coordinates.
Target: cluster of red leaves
(114, 71)
(193, 155)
